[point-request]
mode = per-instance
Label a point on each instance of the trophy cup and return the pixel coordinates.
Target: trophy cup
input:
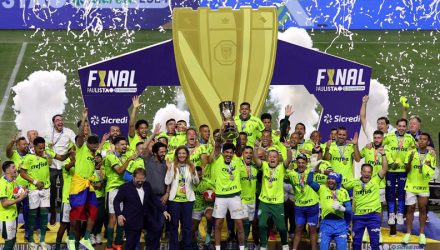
(227, 111)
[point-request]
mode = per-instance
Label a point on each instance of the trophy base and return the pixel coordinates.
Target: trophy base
(230, 134)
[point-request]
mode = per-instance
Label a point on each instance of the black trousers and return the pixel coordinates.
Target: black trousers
(54, 173)
(132, 238)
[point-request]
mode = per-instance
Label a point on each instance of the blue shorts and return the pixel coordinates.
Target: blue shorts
(307, 214)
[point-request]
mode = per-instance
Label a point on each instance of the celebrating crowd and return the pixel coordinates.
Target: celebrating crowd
(164, 183)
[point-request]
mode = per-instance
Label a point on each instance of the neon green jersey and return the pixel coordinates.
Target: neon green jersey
(114, 180)
(304, 194)
(374, 158)
(420, 174)
(100, 177)
(226, 177)
(174, 141)
(322, 178)
(67, 179)
(107, 148)
(207, 150)
(7, 192)
(85, 162)
(135, 164)
(38, 169)
(366, 196)
(196, 155)
(328, 196)
(251, 126)
(18, 160)
(307, 145)
(399, 147)
(248, 181)
(132, 141)
(180, 193)
(272, 188)
(200, 203)
(341, 159)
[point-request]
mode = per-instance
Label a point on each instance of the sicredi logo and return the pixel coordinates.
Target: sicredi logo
(111, 81)
(95, 120)
(340, 80)
(328, 118)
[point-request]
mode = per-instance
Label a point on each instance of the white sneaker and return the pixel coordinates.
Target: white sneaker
(285, 247)
(44, 246)
(263, 248)
(392, 219)
(93, 239)
(98, 239)
(400, 219)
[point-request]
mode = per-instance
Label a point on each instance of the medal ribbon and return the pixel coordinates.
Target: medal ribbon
(59, 137)
(182, 173)
(341, 153)
(334, 195)
(400, 141)
(272, 174)
(421, 159)
(301, 180)
(230, 169)
(249, 171)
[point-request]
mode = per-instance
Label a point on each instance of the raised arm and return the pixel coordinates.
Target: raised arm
(121, 169)
(408, 164)
(80, 137)
(131, 122)
(384, 169)
(327, 154)
(288, 111)
(146, 149)
(10, 146)
(288, 159)
(356, 153)
(363, 113)
(257, 159)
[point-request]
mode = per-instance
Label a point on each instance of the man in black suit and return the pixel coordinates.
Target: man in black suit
(140, 208)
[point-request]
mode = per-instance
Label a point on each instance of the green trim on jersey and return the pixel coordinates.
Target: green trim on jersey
(418, 181)
(395, 155)
(38, 169)
(272, 193)
(365, 196)
(374, 158)
(114, 180)
(221, 177)
(7, 192)
(304, 194)
(345, 168)
(248, 181)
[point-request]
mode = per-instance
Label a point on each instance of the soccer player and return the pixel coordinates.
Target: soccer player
(107, 140)
(99, 186)
(373, 157)
(266, 118)
(305, 146)
(35, 170)
(272, 193)
(202, 207)
(334, 202)
(306, 201)
(382, 123)
(68, 171)
(115, 165)
(174, 139)
(137, 132)
(225, 174)
(420, 165)
(17, 155)
(59, 141)
(193, 146)
(285, 123)
(8, 208)
(399, 143)
(82, 197)
(366, 196)
(245, 122)
(248, 181)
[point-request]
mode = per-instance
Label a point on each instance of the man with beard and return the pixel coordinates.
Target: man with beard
(248, 181)
(420, 166)
(382, 123)
(107, 146)
(366, 196)
(139, 205)
(115, 165)
(174, 138)
(399, 143)
(373, 157)
(266, 118)
(60, 140)
(156, 168)
(136, 132)
(304, 146)
(245, 122)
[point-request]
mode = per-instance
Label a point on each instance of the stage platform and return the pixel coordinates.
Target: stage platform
(432, 232)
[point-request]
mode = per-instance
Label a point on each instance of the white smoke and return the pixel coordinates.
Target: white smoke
(303, 102)
(180, 99)
(170, 111)
(39, 98)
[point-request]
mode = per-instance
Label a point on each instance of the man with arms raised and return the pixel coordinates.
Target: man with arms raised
(420, 166)
(137, 132)
(245, 122)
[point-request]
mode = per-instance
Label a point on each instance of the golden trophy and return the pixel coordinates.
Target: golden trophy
(224, 54)
(227, 112)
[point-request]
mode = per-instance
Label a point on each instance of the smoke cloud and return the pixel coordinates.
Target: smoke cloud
(37, 99)
(170, 111)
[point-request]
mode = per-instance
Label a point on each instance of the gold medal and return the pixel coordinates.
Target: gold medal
(270, 184)
(344, 162)
(231, 177)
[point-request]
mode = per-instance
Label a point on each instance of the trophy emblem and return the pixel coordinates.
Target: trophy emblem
(227, 111)
(224, 54)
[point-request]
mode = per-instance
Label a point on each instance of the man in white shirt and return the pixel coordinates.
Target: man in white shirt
(59, 140)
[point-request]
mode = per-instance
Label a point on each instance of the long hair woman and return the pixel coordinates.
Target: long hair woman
(182, 175)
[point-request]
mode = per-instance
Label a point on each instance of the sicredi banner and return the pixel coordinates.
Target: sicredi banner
(338, 84)
(148, 14)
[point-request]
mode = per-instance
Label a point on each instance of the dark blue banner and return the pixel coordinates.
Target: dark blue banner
(148, 14)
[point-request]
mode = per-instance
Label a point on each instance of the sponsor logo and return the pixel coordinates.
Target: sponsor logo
(328, 118)
(340, 80)
(95, 120)
(111, 81)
